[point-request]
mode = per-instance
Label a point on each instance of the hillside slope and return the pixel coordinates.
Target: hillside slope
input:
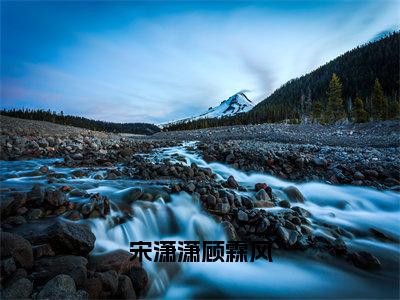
(357, 71)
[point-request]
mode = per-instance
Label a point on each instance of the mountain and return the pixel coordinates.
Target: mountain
(236, 104)
(357, 70)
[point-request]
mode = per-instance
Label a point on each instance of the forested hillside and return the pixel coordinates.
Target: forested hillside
(360, 85)
(60, 118)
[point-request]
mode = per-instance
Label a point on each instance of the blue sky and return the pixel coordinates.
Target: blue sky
(161, 61)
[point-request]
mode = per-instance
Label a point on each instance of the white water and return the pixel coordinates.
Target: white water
(291, 275)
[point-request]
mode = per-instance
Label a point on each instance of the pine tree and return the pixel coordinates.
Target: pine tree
(378, 101)
(335, 110)
(360, 115)
(317, 111)
(394, 109)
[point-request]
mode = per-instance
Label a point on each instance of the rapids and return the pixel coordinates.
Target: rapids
(291, 274)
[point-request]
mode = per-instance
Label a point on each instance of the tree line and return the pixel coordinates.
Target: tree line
(60, 118)
(358, 86)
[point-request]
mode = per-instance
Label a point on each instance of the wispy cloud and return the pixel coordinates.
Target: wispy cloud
(177, 65)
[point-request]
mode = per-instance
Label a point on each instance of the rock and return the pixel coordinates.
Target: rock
(77, 156)
(262, 195)
(305, 229)
(320, 162)
(60, 287)
(294, 194)
(263, 226)
(42, 250)
(230, 158)
(300, 162)
(44, 169)
(382, 236)
(10, 202)
(260, 186)
(364, 260)
(301, 211)
(109, 281)
(78, 173)
(19, 289)
(125, 288)
(289, 225)
(302, 243)
(265, 204)
(139, 278)
(232, 183)
(15, 246)
(223, 208)
(247, 203)
(46, 268)
(55, 197)
(230, 231)
(190, 187)
(65, 237)
(34, 214)
(82, 294)
(118, 260)
(284, 204)
(36, 195)
(93, 286)
(8, 266)
(132, 194)
(283, 234)
(15, 220)
(242, 216)
(339, 247)
(295, 220)
(211, 200)
(358, 175)
(293, 236)
(72, 215)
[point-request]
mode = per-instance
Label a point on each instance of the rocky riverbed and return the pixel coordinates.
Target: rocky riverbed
(50, 209)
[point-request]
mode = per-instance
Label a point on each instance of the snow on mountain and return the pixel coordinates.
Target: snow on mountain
(236, 104)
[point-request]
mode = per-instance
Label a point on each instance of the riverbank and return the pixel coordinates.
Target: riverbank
(360, 154)
(102, 191)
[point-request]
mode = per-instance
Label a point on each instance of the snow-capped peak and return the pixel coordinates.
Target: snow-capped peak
(235, 104)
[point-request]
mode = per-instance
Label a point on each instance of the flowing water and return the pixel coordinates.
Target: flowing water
(290, 275)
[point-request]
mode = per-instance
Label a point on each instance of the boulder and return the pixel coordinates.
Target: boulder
(294, 194)
(283, 234)
(15, 246)
(55, 197)
(232, 183)
(65, 237)
(264, 204)
(93, 286)
(125, 288)
(242, 216)
(190, 187)
(10, 202)
(364, 260)
(19, 289)
(262, 195)
(230, 231)
(260, 186)
(118, 260)
(46, 268)
(60, 287)
(247, 203)
(222, 208)
(109, 281)
(139, 278)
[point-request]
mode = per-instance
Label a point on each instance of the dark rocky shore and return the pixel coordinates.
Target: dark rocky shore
(46, 249)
